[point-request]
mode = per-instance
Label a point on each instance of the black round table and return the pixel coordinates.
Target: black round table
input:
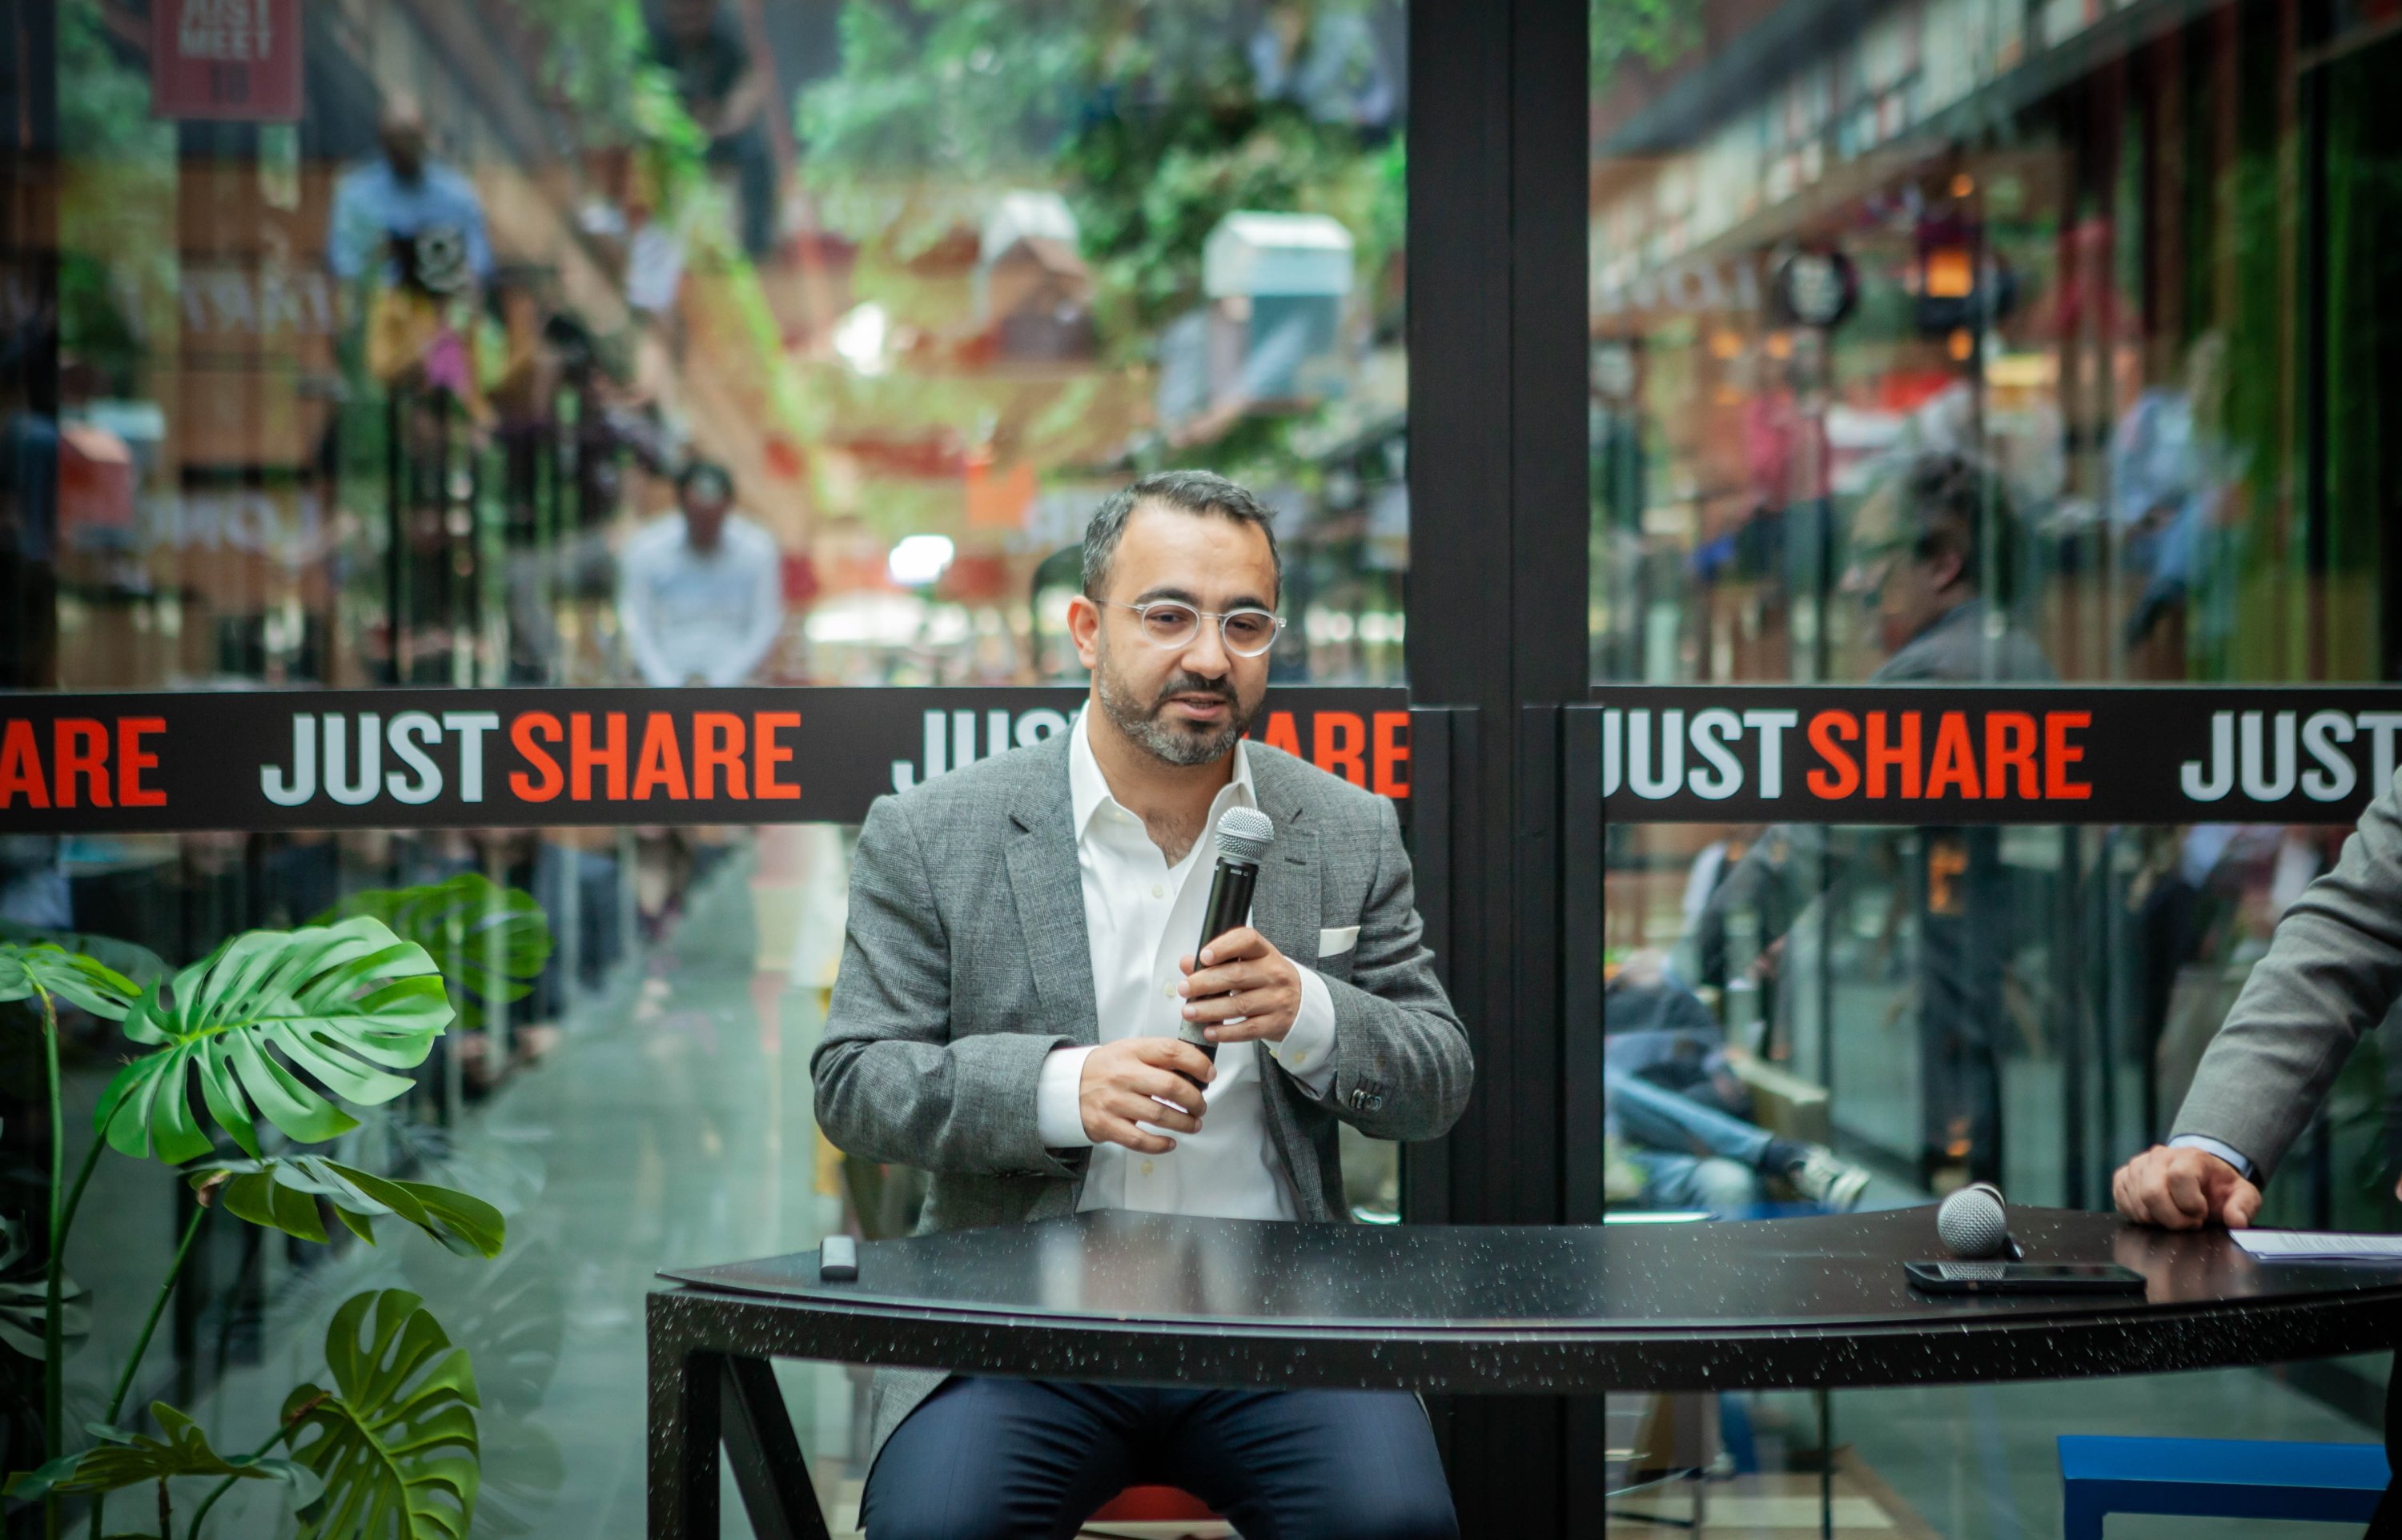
(1461, 1309)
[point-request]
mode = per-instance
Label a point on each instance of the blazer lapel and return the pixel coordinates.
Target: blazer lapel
(1050, 894)
(1285, 906)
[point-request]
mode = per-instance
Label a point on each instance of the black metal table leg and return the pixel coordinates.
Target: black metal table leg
(683, 1432)
(701, 1396)
(765, 1456)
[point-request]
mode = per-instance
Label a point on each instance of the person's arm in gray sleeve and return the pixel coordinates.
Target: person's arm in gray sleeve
(892, 1084)
(1402, 1063)
(2332, 972)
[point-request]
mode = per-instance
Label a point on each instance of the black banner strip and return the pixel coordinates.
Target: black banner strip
(1893, 754)
(505, 759)
(1965, 754)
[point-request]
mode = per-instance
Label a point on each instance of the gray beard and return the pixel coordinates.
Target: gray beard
(1165, 742)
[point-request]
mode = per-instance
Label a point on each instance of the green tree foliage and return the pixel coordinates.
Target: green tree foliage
(1145, 118)
(1656, 33)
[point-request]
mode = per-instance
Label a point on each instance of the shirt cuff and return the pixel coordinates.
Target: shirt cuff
(1307, 1052)
(2209, 1145)
(1058, 1103)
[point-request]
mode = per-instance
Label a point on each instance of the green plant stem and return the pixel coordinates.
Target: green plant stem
(83, 1179)
(223, 1487)
(158, 1307)
(53, 1336)
(141, 1343)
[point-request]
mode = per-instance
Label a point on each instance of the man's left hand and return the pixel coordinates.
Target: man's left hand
(1244, 989)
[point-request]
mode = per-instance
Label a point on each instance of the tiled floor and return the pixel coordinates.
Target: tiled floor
(673, 1126)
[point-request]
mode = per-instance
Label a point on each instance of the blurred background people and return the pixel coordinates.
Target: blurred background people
(1677, 1114)
(413, 228)
(702, 45)
(700, 591)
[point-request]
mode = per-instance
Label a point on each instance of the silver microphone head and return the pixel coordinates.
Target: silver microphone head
(1244, 835)
(1972, 1222)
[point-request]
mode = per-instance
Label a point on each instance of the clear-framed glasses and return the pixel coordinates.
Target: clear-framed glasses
(1167, 622)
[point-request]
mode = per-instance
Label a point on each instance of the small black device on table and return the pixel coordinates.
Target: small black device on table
(1974, 1225)
(2022, 1278)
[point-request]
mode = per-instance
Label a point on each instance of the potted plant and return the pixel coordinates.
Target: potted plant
(284, 1036)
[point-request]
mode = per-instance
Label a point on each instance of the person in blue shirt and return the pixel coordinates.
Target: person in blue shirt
(417, 221)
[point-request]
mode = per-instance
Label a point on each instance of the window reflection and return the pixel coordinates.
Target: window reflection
(626, 342)
(2058, 260)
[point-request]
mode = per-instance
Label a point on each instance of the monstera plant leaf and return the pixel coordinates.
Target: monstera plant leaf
(24, 1299)
(281, 1192)
(492, 942)
(394, 1439)
(129, 1459)
(66, 975)
(344, 1004)
(137, 963)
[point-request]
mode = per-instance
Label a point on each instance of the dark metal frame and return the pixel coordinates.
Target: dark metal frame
(1498, 179)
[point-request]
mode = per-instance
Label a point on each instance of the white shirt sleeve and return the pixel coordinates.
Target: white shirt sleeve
(2208, 1146)
(1058, 1111)
(1307, 1052)
(766, 618)
(634, 617)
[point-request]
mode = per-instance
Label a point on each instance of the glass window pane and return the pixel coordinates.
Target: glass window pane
(623, 343)
(1954, 341)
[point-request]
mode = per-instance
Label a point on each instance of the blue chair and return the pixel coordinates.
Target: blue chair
(2215, 1479)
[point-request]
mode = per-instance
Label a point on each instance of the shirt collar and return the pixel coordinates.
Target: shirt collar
(1089, 790)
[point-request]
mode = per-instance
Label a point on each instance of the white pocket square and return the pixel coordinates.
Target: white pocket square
(1334, 942)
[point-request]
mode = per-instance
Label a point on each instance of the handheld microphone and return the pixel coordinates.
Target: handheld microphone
(1244, 835)
(1974, 1225)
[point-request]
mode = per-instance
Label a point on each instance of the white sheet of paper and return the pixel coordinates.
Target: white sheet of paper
(2305, 1246)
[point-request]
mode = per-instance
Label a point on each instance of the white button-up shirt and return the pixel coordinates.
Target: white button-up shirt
(1140, 916)
(688, 614)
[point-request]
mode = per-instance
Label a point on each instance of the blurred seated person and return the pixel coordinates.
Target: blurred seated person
(1679, 1115)
(700, 591)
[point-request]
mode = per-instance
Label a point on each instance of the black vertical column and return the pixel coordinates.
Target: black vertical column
(1496, 614)
(29, 364)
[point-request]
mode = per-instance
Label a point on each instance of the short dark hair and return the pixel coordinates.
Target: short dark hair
(1187, 492)
(696, 470)
(1953, 504)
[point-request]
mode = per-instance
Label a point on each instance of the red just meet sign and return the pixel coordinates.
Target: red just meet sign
(227, 59)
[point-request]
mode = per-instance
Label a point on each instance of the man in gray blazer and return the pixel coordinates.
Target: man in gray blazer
(2333, 971)
(1009, 1013)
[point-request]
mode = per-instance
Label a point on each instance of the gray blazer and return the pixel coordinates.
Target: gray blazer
(2332, 972)
(966, 962)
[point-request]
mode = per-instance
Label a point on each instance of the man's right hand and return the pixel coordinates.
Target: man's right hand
(2180, 1188)
(1127, 1081)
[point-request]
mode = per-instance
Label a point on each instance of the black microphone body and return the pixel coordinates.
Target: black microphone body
(1229, 909)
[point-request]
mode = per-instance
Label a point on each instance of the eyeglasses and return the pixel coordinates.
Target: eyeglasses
(1165, 623)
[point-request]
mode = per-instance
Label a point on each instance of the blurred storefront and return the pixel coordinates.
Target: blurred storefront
(2125, 254)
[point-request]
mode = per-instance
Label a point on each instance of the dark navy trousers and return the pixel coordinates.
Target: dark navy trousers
(1031, 1460)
